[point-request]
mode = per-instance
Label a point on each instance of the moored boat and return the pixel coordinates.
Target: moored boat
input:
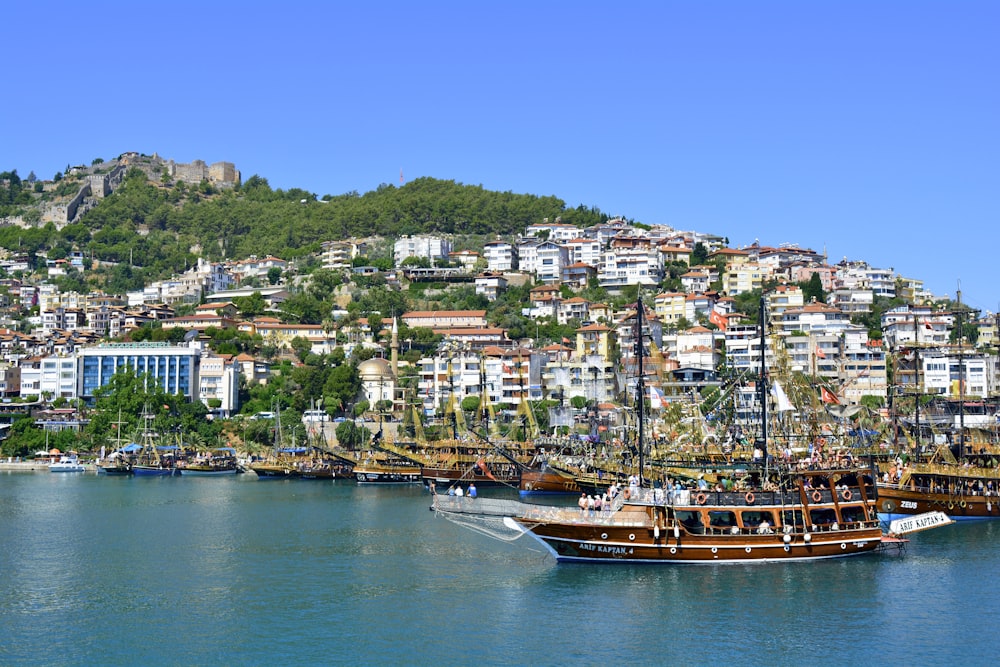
(962, 492)
(481, 472)
(218, 463)
(149, 462)
(67, 463)
(119, 466)
(275, 469)
(387, 472)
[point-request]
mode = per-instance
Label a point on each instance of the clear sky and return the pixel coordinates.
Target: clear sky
(868, 129)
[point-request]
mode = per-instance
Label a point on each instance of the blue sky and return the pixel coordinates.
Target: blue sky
(869, 129)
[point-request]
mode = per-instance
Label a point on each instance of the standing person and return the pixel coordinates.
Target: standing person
(458, 491)
(472, 489)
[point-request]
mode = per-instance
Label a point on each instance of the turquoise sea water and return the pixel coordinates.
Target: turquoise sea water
(235, 571)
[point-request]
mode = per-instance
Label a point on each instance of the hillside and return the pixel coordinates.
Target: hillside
(160, 227)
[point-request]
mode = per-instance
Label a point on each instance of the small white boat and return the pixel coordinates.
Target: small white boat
(67, 463)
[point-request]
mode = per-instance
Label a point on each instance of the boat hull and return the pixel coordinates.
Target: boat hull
(572, 543)
(143, 471)
(450, 476)
(274, 472)
(198, 472)
(114, 471)
(378, 476)
(896, 503)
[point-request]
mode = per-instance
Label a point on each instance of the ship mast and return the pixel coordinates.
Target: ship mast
(640, 386)
(961, 377)
(762, 383)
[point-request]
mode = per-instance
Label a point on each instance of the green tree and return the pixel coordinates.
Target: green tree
(699, 254)
(813, 289)
(251, 306)
(301, 346)
(342, 385)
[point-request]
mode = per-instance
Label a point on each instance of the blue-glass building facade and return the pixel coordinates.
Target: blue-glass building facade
(173, 366)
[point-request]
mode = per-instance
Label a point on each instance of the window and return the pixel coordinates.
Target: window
(721, 519)
(753, 518)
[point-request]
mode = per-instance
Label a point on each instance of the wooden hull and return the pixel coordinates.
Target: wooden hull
(269, 471)
(318, 474)
(895, 503)
(386, 475)
(449, 476)
(568, 543)
(539, 482)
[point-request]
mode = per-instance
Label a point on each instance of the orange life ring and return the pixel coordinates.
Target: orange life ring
(749, 498)
(817, 496)
(847, 494)
(701, 498)
(626, 494)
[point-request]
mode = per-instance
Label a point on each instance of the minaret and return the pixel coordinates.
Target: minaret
(394, 347)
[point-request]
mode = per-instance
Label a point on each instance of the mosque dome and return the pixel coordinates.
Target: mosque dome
(375, 370)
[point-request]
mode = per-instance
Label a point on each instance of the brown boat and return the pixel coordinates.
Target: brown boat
(814, 515)
(961, 492)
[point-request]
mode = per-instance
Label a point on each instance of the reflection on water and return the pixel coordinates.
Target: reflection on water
(105, 570)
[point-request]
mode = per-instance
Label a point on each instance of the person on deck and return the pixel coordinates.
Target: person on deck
(472, 489)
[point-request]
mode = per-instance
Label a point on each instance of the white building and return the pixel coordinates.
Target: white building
(431, 247)
(629, 266)
(550, 260)
(500, 257)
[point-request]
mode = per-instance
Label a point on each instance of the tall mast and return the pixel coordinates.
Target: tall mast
(961, 377)
(916, 381)
(640, 386)
(763, 382)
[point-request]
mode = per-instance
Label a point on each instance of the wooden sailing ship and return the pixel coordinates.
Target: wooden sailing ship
(772, 513)
(969, 489)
